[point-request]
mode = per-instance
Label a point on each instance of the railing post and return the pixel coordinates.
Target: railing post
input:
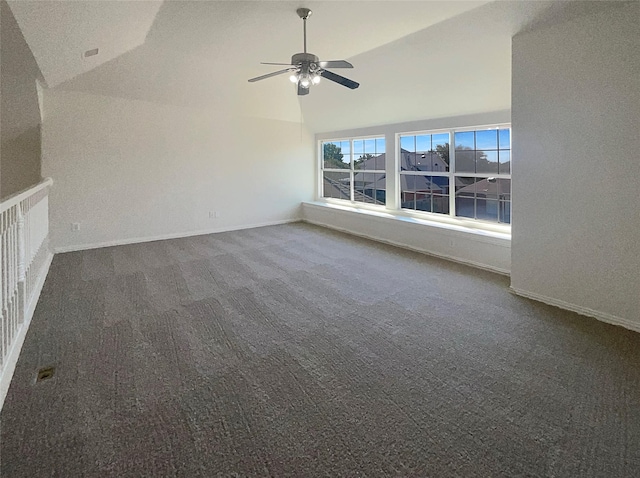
(21, 267)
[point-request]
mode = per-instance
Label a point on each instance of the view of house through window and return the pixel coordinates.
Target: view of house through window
(420, 154)
(482, 164)
(470, 179)
(354, 170)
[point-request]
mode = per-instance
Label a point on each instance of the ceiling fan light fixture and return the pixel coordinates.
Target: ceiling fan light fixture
(316, 79)
(305, 81)
(293, 78)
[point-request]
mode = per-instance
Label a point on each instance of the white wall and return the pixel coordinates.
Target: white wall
(478, 248)
(576, 175)
(129, 170)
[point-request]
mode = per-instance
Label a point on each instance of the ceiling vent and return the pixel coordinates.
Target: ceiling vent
(89, 53)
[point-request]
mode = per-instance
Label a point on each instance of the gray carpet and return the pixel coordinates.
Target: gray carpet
(298, 351)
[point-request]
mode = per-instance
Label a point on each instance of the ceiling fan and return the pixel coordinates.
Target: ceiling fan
(306, 68)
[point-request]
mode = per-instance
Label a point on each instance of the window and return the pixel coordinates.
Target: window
(354, 170)
(477, 171)
(422, 153)
(464, 173)
(482, 165)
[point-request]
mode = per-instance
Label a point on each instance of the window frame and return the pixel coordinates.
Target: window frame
(352, 171)
(393, 176)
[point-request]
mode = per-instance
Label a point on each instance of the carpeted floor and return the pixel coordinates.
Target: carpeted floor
(298, 351)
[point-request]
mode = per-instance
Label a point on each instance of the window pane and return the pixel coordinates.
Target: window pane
(346, 147)
(505, 161)
(380, 146)
(380, 161)
(441, 138)
(370, 159)
(405, 161)
(424, 193)
(426, 161)
(487, 210)
(408, 143)
(440, 144)
(505, 139)
(479, 198)
(505, 212)
(370, 146)
(370, 162)
(440, 161)
(379, 190)
(334, 157)
(423, 161)
(465, 161)
(487, 188)
(465, 140)
(465, 207)
(408, 191)
(362, 161)
(442, 182)
(504, 189)
(336, 185)
(358, 147)
(487, 139)
(369, 188)
(487, 162)
(423, 201)
(440, 203)
(423, 143)
(465, 186)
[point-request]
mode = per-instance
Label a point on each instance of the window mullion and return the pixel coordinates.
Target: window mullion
(351, 175)
(452, 176)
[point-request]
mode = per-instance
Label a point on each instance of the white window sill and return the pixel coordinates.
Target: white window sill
(497, 231)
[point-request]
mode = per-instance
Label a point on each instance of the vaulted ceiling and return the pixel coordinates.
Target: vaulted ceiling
(201, 53)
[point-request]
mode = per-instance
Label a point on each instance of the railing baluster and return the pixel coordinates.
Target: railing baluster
(21, 278)
(23, 253)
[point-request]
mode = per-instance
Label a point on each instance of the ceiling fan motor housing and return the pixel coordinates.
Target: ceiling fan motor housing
(304, 58)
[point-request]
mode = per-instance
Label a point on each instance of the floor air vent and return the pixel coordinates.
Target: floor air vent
(45, 373)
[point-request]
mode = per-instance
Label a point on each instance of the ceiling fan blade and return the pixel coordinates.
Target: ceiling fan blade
(339, 79)
(302, 91)
(281, 64)
(269, 75)
(335, 64)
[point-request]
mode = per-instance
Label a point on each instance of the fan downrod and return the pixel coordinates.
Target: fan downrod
(304, 13)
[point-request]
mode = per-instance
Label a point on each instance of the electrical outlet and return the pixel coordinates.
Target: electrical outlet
(75, 226)
(214, 214)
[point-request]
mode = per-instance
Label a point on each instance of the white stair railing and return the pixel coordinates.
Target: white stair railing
(24, 262)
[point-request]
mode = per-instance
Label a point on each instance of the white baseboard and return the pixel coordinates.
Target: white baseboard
(477, 265)
(12, 358)
(162, 237)
(601, 316)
